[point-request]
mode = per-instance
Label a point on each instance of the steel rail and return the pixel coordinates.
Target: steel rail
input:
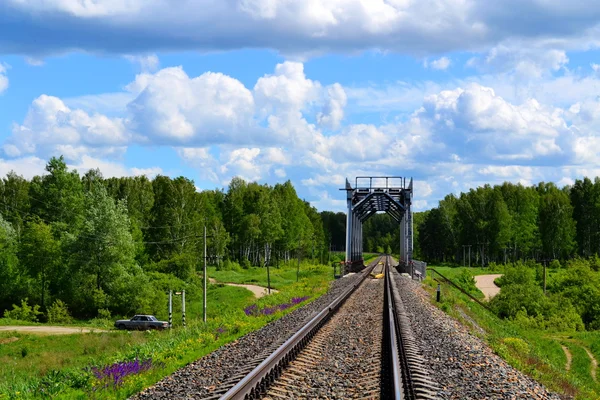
(257, 381)
(393, 342)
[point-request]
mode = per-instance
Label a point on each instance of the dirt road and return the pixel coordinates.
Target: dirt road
(486, 284)
(259, 291)
(48, 330)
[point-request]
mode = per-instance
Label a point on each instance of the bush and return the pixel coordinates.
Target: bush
(103, 313)
(246, 263)
(58, 313)
(467, 282)
(229, 265)
(518, 345)
(24, 313)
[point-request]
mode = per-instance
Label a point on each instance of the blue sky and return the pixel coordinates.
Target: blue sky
(455, 93)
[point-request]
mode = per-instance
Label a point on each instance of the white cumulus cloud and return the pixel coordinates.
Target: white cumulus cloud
(440, 64)
(51, 127)
(172, 107)
(3, 77)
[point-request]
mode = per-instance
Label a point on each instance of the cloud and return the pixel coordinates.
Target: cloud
(325, 180)
(480, 123)
(50, 128)
(171, 107)
(294, 28)
(523, 60)
(287, 89)
(3, 77)
(333, 111)
(112, 169)
(440, 64)
(147, 63)
(28, 167)
(34, 62)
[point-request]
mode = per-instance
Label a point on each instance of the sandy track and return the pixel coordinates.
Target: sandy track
(486, 284)
(259, 291)
(48, 330)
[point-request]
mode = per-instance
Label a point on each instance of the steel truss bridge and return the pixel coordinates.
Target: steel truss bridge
(370, 195)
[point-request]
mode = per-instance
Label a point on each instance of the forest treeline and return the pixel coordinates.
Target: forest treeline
(510, 222)
(118, 244)
(381, 233)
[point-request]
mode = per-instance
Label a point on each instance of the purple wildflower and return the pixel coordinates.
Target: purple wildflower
(114, 374)
(298, 300)
(251, 310)
(268, 310)
(219, 331)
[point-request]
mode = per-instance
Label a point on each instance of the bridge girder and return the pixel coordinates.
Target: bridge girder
(393, 197)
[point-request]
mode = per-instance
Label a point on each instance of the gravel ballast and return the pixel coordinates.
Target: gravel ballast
(343, 360)
(205, 376)
(462, 364)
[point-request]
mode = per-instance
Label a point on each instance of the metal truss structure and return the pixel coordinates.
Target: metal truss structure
(371, 194)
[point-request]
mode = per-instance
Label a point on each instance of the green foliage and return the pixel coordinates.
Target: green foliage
(229, 265)
(466, 281)
(24, 313)
(504, 222)
(58, 313)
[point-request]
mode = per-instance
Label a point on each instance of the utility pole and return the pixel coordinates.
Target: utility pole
(269, 275)
(298, 269)
(469, 256)
(204, 294)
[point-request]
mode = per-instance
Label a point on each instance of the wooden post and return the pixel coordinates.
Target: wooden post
(204, 294)
(170, 309)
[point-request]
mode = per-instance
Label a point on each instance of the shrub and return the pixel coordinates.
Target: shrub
(24, 313)
(103, 313)
(518, 345)
(58, 313)
(467, 282)
(246, 263)
(229, 265)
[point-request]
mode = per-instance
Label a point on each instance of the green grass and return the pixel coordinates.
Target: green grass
(453, 272)
(281, 277)
(534, 352)
(57, 363)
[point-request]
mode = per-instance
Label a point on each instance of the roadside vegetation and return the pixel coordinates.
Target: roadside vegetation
(516, 230)
(528, 328)
(117, 364)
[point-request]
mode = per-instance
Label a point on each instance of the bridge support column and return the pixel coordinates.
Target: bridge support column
(349, 220)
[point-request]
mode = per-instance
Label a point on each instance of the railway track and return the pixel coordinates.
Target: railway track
(359, 347)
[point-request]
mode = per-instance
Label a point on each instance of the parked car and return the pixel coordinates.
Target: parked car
(141, 322)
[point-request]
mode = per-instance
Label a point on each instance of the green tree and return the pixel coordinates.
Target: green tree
(557, 227)
(57, 197)
(104, 262)
(40, 254)
(12, 281)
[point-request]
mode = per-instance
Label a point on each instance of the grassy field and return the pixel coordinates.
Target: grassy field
(535, 352)
(61, 366)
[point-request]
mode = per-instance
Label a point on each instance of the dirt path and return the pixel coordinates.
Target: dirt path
(594, 365)
(259, 291)
(569, 358)
(486, 284)
(48, 330)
